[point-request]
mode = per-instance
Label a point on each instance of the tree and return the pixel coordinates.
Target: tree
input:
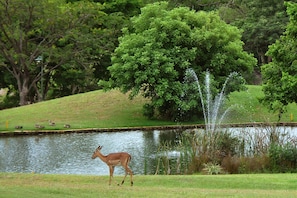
(38, 37)
(118, 16)
(162, 43)
(118, 13)
(263, 23)
(205, 5)
(127, 7)
(279, 76)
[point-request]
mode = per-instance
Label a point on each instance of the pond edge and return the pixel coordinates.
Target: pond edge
(142, 128)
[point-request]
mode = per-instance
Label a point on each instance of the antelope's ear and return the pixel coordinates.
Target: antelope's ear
(99, 147)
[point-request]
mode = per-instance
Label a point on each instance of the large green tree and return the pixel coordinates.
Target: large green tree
(118, 16)
(263, 22)
(163, 43)
(280, 75)
(39, 37)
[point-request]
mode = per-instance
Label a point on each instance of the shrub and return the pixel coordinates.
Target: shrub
(231, 164)
(148, 111)
(212, 169)
(9, 101)
(227, 145)
(283, 158)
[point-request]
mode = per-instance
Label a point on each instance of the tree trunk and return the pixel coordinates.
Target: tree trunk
(263, 58)
(24, 96)
(23, 86)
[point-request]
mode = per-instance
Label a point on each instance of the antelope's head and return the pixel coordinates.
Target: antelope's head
(96, 152)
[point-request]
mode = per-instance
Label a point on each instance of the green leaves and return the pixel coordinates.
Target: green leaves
(279, 76)
(69, 37)
(263, 23)
(162, 43)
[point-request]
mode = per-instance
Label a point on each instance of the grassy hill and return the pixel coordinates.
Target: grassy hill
(95, 109)
(98, 109)
(246, 108)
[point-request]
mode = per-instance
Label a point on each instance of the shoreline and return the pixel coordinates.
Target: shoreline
(143, 128)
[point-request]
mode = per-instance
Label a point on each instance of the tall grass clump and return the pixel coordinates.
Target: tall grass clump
(245, 150)
(174, 157)
(266, 149)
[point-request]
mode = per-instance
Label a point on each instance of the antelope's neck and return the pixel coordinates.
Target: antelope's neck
(102, 157)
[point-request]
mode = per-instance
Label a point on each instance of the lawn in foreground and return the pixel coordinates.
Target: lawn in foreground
(251, 185)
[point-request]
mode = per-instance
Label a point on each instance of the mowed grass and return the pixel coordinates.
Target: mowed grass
(95, 109)
(112, 109)
(252, 185)
(246, 108)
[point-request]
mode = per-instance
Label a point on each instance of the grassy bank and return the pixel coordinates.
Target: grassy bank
(247, 108)
(253, 185)
(113, 109)
(95, 109)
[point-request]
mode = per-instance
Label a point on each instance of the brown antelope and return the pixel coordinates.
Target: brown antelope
(115, 159)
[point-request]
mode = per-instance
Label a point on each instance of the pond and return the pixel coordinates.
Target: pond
(71, 153)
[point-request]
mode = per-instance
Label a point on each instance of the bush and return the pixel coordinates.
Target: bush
(148, 111)
(198, 163)
(227, 145)
(231, 164)
(9, 101)
(283, 158)
(251, 151)
(212, 169)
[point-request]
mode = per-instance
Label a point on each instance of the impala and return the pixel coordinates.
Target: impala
(115, 159)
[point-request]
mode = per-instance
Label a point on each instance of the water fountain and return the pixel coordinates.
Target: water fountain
(211, 107)
(206, 142)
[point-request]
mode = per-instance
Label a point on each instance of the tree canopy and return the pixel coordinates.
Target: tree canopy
(263, 22)
(65, 46)
(38, 37)
(162, 43)
(279, 76)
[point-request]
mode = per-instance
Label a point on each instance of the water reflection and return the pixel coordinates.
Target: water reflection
(71, 153)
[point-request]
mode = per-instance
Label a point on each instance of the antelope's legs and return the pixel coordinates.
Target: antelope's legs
(128, 170)
(111, 169)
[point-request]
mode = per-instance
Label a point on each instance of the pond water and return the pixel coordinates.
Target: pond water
(71, 153)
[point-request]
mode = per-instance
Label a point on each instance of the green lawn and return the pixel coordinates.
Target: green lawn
(246, 108)
(252, 185)
(95, 109)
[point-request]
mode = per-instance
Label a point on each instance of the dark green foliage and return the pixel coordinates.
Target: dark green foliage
(162, 43)
(263, 24)
(10, 100)
(228, 145)
(279, 76)
(283, 158)
(148, 111)
(246, 151)
(206, 5)
(37, 38)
